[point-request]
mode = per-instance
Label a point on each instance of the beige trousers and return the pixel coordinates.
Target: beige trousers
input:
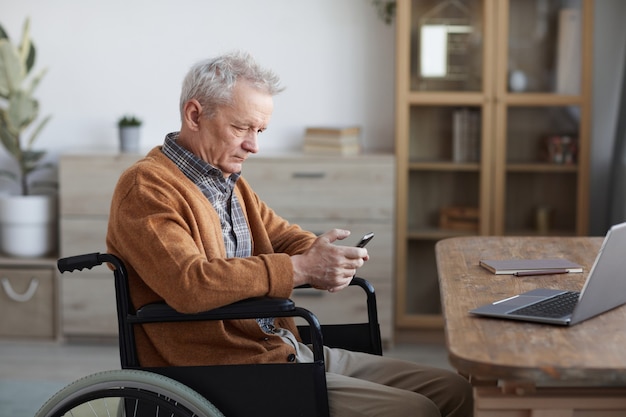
(365, 385)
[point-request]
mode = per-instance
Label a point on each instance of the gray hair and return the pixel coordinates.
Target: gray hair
(211, 81)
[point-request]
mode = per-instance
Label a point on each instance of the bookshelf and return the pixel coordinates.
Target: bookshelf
(525, 76)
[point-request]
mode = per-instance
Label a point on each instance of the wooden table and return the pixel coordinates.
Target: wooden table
(526, 369)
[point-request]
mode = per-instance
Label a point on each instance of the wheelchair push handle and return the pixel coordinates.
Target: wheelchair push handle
(79, 262)
(88, 260)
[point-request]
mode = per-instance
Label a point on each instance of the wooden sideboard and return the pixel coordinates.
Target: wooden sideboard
(317, 192)
(28, 298)
(86, 184)
(320, 193)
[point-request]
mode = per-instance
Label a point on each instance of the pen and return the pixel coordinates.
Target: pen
(540, 272)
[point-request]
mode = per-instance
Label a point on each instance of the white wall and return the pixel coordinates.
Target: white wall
(107, 58)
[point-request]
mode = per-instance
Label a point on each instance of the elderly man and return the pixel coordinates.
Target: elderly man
(194, 234)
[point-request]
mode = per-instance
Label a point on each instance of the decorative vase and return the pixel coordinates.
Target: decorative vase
(28, 225)
(518, 81)
(129, 139)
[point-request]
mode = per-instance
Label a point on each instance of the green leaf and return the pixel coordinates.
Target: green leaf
(8, 174)
(3, 33)
(30, 58)
(47, 165)
(37, 130)
(31, 159)
(129, 120)
(21, 112)
(11, 69)
(10, 141)
(52, 185)
(36, 79)
(26, 48)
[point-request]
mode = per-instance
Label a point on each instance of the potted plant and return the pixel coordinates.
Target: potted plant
(27, 221)
(129, 133)
(386, 10)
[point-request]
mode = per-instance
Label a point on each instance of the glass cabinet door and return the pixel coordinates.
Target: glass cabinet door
(447, 45)
(541, 163)
(544, 46)
(440, 152)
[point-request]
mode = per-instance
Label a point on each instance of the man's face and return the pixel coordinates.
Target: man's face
(227, 138)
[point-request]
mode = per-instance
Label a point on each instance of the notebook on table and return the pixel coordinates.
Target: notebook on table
(604, 290)
(530, 266)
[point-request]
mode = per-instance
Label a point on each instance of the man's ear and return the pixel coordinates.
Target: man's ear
(191, 114)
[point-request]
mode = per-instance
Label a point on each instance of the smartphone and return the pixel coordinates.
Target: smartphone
(365, 240)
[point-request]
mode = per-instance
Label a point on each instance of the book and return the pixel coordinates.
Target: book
(332, 150)
(343, 140)
(334, 131)
(514, 266)
(460, 135)
(465, 135)
(330, 140)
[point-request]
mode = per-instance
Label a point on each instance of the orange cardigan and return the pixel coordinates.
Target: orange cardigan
(169, 236)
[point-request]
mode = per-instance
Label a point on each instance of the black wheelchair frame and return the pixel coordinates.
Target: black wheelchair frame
(282, 389)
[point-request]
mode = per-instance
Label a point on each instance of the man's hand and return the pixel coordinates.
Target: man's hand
(326, 266)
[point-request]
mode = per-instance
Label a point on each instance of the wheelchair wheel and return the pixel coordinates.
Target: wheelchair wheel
(127, 393)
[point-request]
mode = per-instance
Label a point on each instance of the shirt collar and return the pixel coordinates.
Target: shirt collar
(192, 166)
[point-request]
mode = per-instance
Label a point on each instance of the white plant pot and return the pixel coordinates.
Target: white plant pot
(129, 139)
(28, 225)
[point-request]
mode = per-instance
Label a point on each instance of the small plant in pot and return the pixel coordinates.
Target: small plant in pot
(129, 133)
(27, 221)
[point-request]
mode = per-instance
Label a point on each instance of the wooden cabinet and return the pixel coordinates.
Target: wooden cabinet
(321, 193)
(318, 193)
(492, 130)
(28, 298)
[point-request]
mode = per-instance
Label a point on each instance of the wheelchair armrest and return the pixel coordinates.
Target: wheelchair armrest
(250, 308)
(245, 309)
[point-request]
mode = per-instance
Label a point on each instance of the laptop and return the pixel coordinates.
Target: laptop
(604, 290)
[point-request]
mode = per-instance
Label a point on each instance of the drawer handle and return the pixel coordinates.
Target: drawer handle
(308, 175)
(20, 298)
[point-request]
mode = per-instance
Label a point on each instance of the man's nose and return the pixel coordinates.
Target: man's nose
(251, 142)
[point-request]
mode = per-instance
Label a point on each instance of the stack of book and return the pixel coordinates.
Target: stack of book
(333, 140)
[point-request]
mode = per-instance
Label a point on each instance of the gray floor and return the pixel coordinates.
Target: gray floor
(32, 371)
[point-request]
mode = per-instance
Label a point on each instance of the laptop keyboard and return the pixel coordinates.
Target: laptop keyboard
(555, 307)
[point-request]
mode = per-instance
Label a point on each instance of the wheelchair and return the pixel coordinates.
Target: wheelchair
(282, 389)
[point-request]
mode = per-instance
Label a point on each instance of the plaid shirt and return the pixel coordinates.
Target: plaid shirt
(219, 191)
